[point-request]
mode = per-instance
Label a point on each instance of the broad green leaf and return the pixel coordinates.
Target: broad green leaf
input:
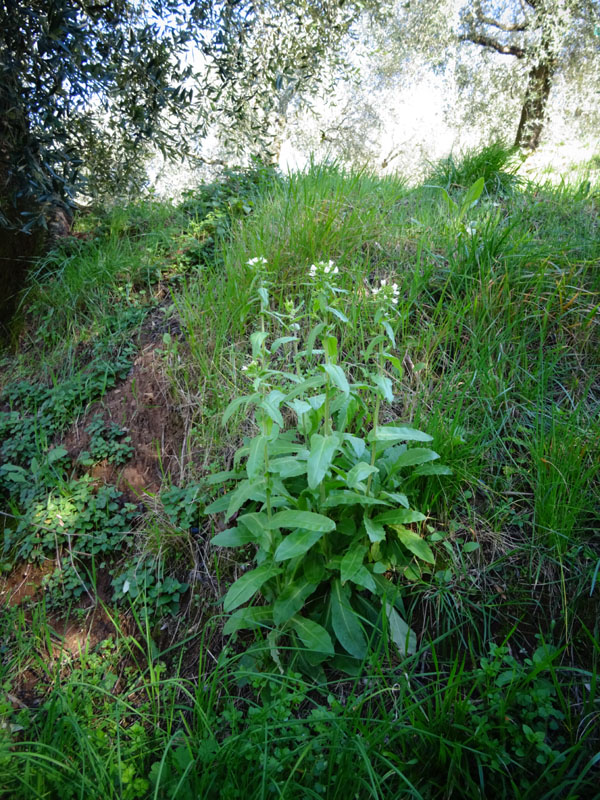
(232, 537)
(433, 469)
(312, 336)
(397, 497)
(255, 465)
(473, 194)
(288, 466)
(345, 497)
(357, 444)
(413, 542)
(375, 531)
(470, 547)
(291, 600)
(302, 519)
(257, 523)
(296, 544)
(380, 339)
(337, 313)
(235, 404)
(352, 562)
(395, 434)
(281, 341)
(322, 451)
(257, 339)
(272, 411)
(56, 453)
(241, 494)
(312, 635)
(363, 577)
(338, 377)
(345, 622)
(300, 407)
(403, 637)
(414, 456)
(304, 386)
(385, 387)
(221, 477)
(359, 472)
(399, 516)
(252, 617)
(330, 346)
(246, 586)
(388, 329)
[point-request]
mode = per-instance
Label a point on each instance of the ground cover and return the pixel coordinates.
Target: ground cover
(318, 524)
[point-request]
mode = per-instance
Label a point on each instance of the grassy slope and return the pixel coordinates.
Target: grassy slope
(498, 333)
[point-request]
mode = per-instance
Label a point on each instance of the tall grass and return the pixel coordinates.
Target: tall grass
(498, 333)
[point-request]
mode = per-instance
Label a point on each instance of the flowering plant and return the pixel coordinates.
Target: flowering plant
(323, 502)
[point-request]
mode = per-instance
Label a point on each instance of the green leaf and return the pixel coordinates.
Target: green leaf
(309, 383)
(287, 467)
(56, 453)
(345, 497)
(413, 542)
(235, 404)
(241, 494)
(281, 341)
(257, 340)
(414, 456)
(221, 477)
(470, 547)
(473, 194)
(375, 531)
(359, 472)
(272, 411)
(232, 537)
(362, 577)
(338, 377)
(397, 497)
(251, 617)
(388, 329)
(395, 434)
(385, 387)
(302, 519)
(257, 523)
(352, 562)
(296, 544)
(311, 338)
(312, 635)
(403, 637)
(322, 451)
(399, 516)
(246, 586)
(345, 622)
(291, 600)
(433, 469)
(256, 457)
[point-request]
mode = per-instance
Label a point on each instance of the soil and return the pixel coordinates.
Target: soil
(141, 405)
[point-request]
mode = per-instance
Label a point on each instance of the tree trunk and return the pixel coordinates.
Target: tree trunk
(531, 124)
(18, 249)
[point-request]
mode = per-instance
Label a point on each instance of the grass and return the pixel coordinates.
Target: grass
(497, 331)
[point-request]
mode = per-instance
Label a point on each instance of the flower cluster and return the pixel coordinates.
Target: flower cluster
(322, 268)
(385, 291)
(257, 261)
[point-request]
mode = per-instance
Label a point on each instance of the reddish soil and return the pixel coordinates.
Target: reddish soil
(141, 406)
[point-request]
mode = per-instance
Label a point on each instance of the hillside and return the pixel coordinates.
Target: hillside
(300, 485)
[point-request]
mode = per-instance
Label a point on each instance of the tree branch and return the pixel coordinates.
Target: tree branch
(516, 27)
(487, 41)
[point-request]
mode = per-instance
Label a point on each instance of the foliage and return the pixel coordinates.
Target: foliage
(341, 497)
(108, 442)
(143, 582)
(496, 164)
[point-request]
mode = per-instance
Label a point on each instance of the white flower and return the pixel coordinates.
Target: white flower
(395, 289)
(312, 271)
(294, 326)
(256, 260)
(245, 368)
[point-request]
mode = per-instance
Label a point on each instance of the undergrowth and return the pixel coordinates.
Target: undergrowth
(379, 577)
